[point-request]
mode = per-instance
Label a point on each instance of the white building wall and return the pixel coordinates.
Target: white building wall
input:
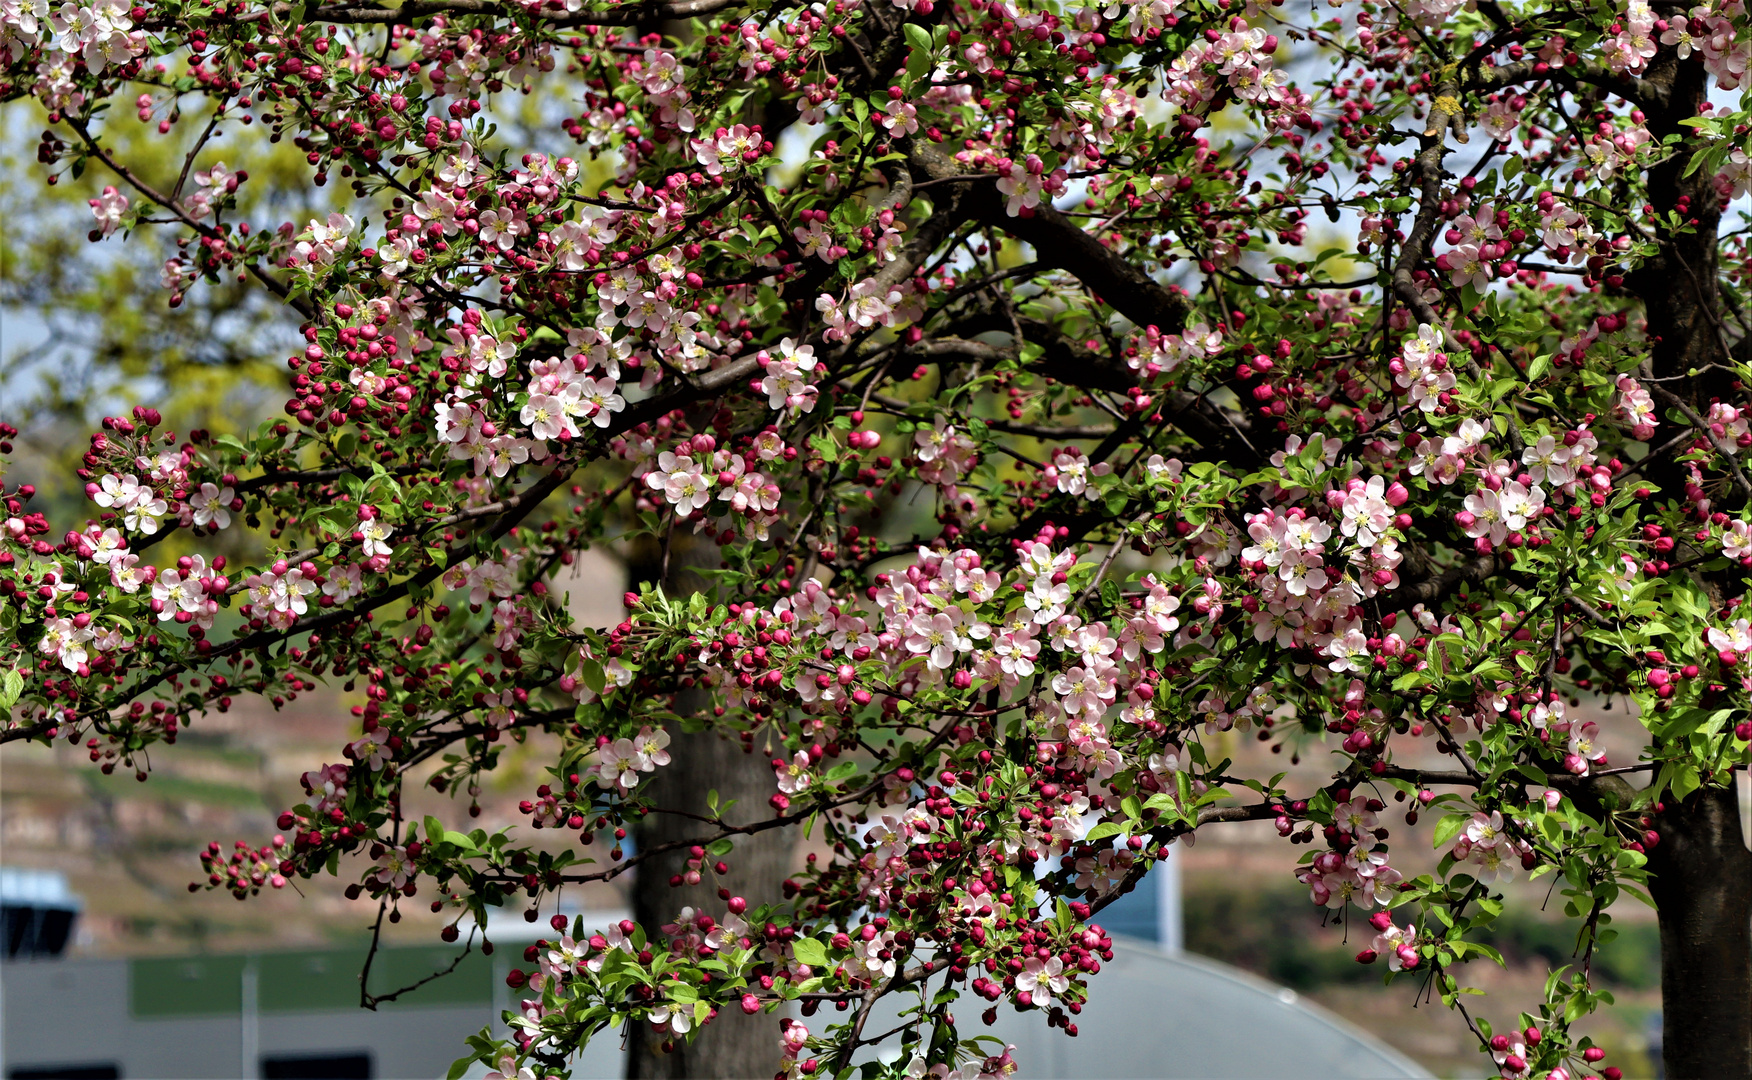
(75, 1012)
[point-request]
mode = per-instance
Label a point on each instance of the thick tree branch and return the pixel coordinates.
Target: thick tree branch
(1060, 243)
(1471, 572)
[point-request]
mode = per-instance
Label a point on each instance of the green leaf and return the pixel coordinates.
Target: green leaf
(809, 951)
(1161, 801)
(1411, 679)
(615, 961)
(11, 685)
(1685, 781)
(1448, 828)
(459, 1067)
(918, 61)
(1692, 720)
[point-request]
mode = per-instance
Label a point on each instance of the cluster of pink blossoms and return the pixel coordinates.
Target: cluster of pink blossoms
(1353, 872)
(1709, 29)
(1493, 853)
(702, 471)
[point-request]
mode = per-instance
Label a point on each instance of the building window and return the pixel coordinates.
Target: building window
(36, 912)
(36, 930)
(352, 1065)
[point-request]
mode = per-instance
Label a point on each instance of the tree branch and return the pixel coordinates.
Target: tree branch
(1058, 242)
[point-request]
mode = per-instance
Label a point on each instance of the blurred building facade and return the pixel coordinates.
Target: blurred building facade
(1153, 1012)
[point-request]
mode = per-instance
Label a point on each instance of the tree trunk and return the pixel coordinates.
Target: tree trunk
(733, 1046)
(1702, 888)
(1702, 870)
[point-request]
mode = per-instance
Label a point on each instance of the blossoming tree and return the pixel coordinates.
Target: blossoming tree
(1054, 386)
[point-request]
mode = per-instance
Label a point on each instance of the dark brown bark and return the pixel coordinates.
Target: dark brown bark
(1058, 242)
(1702, 870)
(1702, 887)
(1678, 286)
(1701, 883)
(733, 1046)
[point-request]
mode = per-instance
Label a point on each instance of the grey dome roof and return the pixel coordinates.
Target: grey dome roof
(1174, 1016)
(1150, 1014)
